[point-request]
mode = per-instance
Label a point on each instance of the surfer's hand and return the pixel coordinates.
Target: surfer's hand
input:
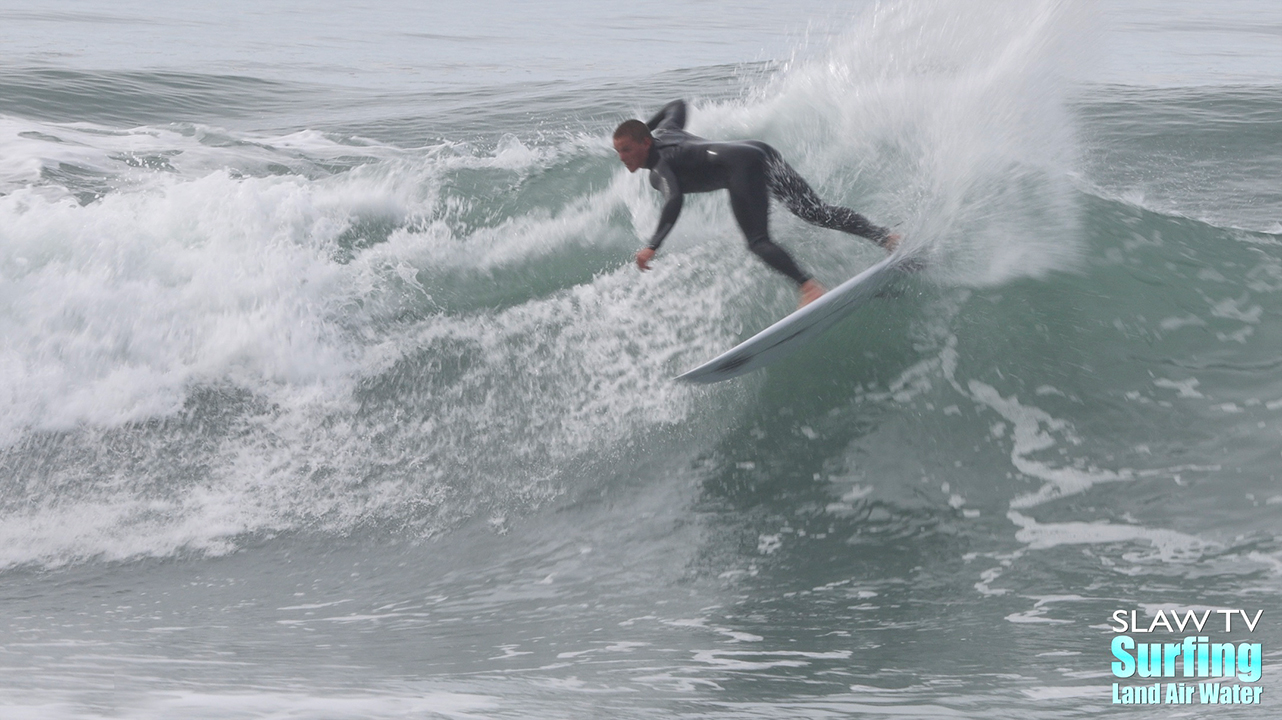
(892, 241)
(643, 258)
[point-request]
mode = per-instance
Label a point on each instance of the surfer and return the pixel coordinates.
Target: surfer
(752, 171)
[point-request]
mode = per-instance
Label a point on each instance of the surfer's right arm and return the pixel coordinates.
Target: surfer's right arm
(665, 181)
(671, 117)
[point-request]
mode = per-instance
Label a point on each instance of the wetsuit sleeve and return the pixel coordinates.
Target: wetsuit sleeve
(663, 179)
(671, 117)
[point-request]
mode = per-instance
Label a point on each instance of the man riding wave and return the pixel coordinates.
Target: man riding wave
(750, 170)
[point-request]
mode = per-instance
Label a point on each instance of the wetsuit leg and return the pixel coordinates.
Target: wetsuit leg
(805, 203)
(745, 168)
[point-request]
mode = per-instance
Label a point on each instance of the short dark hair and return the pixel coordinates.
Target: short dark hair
(634, 129)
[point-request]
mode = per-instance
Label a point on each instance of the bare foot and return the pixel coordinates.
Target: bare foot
(811, 290)
(892, 241)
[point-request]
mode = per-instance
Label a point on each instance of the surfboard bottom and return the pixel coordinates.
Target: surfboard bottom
(793, 332)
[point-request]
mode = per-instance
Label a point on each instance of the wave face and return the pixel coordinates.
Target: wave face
(308, 330)
(355, 359)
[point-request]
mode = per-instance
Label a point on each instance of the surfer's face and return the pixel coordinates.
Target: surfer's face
(632, 152)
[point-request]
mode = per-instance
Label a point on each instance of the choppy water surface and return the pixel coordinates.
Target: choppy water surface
(327, 389)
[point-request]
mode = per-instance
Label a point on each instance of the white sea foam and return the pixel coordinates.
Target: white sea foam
(944, 120)
(113, 309)
(117, 309)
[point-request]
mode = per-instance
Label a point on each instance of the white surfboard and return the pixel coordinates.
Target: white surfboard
(786, 336)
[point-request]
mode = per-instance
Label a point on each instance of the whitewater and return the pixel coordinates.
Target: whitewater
(328, 389)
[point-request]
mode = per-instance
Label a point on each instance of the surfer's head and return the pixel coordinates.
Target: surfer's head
(632, 141)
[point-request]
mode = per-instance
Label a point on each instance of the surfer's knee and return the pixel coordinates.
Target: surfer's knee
(779, 259)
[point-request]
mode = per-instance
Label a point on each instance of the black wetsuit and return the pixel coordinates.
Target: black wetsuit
(682, 163)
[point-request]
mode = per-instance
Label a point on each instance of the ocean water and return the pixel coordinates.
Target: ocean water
(328, 389)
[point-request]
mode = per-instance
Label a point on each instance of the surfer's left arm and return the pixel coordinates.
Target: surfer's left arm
(665, 181)
(671, 117)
